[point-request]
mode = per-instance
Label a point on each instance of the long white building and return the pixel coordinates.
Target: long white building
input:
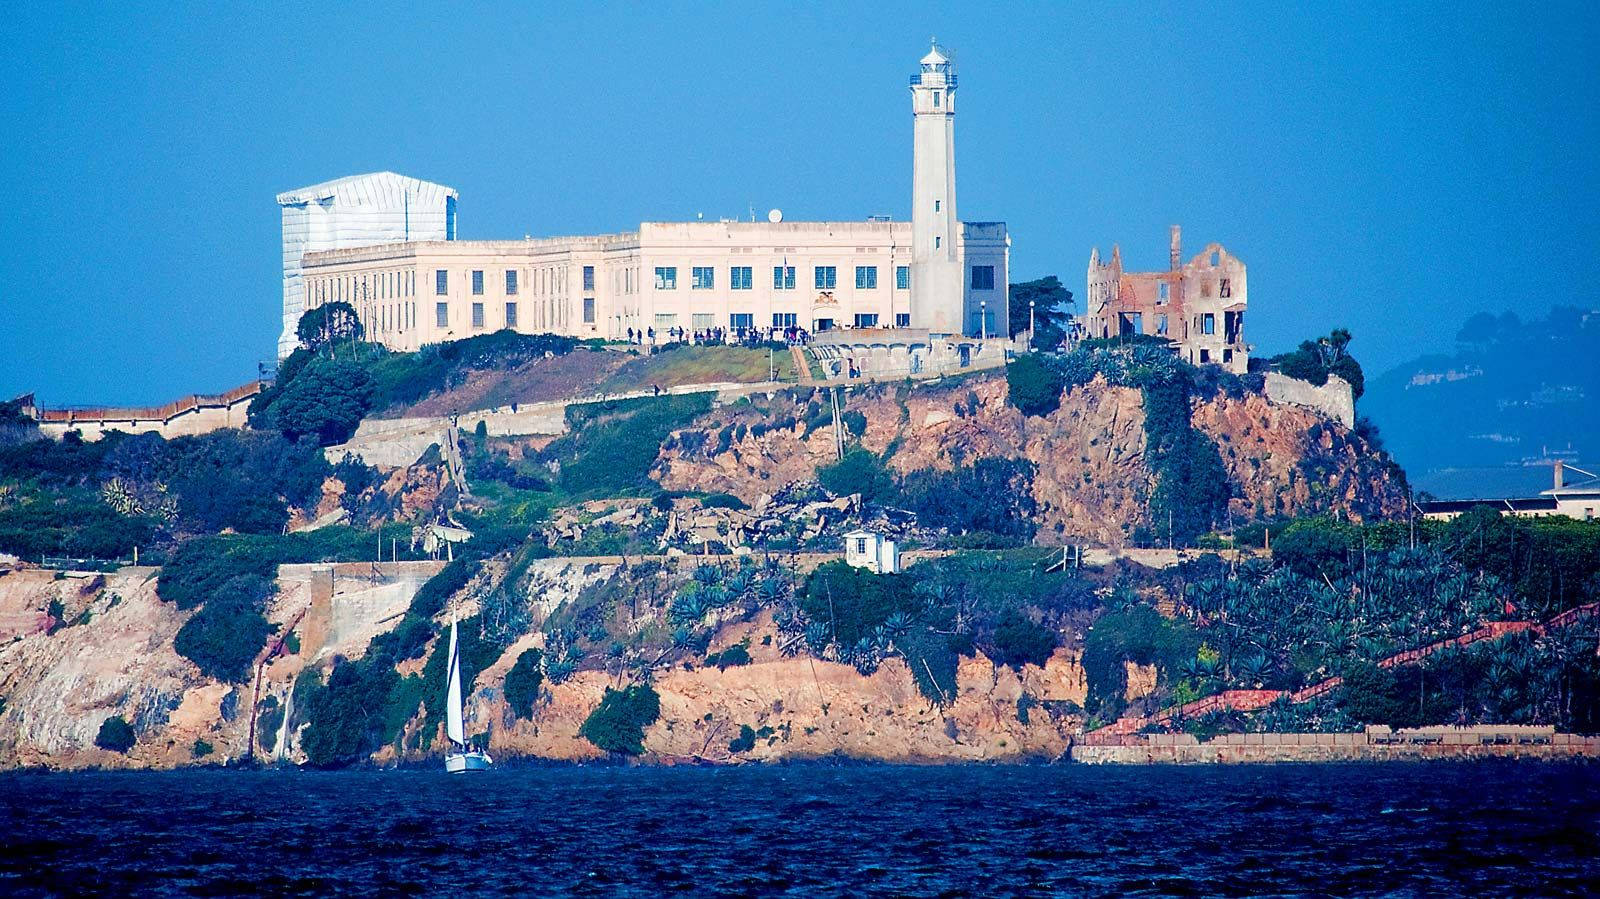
(933, 273)
(359, 210)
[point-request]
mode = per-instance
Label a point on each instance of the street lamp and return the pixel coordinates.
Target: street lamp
(983, 319)
(1030, 324)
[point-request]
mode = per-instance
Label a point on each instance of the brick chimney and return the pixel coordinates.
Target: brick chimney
(1561, 474)
(1177, 247)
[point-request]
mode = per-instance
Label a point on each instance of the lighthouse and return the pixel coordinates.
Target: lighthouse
(937, 292)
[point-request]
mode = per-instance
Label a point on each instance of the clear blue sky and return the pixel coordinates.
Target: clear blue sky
(1388, 171)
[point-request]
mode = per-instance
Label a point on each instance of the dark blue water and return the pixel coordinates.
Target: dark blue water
(1487, 829)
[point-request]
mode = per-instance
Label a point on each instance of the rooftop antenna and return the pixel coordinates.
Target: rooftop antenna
(752, 212)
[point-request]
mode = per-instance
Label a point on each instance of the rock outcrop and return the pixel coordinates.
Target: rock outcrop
(1091, 483)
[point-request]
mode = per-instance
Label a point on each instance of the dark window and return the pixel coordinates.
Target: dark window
(477, 283)
(983, 277)
(441, 282)
(511, 283)
(511, 315)
(588, 277)
(588, 310)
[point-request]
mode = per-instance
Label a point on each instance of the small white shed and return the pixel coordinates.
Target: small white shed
(874, 552)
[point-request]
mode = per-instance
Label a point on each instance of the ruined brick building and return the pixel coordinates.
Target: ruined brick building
(1198, 304)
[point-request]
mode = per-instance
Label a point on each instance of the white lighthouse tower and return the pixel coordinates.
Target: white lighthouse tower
(936, 289)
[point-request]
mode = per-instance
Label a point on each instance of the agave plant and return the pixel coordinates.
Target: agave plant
(1254, 669)
(897, 625)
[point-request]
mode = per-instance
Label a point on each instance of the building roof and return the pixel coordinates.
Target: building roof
(359, 184)
(1519, 504)
(935, 57)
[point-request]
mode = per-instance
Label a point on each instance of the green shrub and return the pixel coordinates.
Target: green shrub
(268, 722)
(745, 742)
(1019, 640)
(993, 495)
(201, 749)
(723, 501)
(613, 445)
(199, 568)
(72, 522)
(855, 423)
(1033, 385)
(326, 400)
(860, 471)
(734, 656)
(346, 720)
(1136, 634)
(523, 682)
(115, 734)
(618, 723)
(852, 602)
(224, 637)
(1313, 547)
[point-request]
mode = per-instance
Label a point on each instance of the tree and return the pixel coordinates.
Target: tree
(860, 471)
(115, 734)
(1314, 360)
(326, 401)
(1033, 385)
(523, 682)
(1052, 310)
(329, 323)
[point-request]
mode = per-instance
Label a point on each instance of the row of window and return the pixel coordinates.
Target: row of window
(742, 277)
(355, 289)
(441, 281)
(823, 277)
(441, 313)
(744, 321)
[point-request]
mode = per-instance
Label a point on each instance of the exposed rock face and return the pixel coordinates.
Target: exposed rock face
(1290, 460)
(1092, 482)
(59, 688)
(815, 709)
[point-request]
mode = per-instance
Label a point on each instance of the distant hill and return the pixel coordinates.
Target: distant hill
(1488, 420)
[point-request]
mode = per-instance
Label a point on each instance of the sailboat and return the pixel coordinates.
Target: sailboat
(461, 757)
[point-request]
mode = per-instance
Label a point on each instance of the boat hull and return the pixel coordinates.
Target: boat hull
(462, 762)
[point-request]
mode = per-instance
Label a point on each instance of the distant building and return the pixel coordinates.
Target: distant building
(1579, 500)
(934, 273)
(357, 211)
(1199, 305)
(872, 551)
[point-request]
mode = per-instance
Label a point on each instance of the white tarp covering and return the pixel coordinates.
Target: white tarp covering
(357, 211)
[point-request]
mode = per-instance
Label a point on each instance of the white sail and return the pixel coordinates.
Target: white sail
(453, 726)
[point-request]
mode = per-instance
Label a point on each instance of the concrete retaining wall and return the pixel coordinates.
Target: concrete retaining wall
(1334, 399)
(1428, 743)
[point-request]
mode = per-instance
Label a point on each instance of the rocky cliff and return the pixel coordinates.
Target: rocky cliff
(110, 653)
(1092, 481)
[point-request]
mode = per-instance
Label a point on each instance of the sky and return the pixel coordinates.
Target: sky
(1391, 171)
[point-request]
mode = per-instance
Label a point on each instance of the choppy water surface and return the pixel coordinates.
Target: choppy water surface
(1488, 829)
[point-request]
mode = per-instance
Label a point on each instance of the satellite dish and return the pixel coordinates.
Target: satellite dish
(775, 216)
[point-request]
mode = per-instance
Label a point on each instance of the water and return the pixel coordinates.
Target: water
(1491, 829)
